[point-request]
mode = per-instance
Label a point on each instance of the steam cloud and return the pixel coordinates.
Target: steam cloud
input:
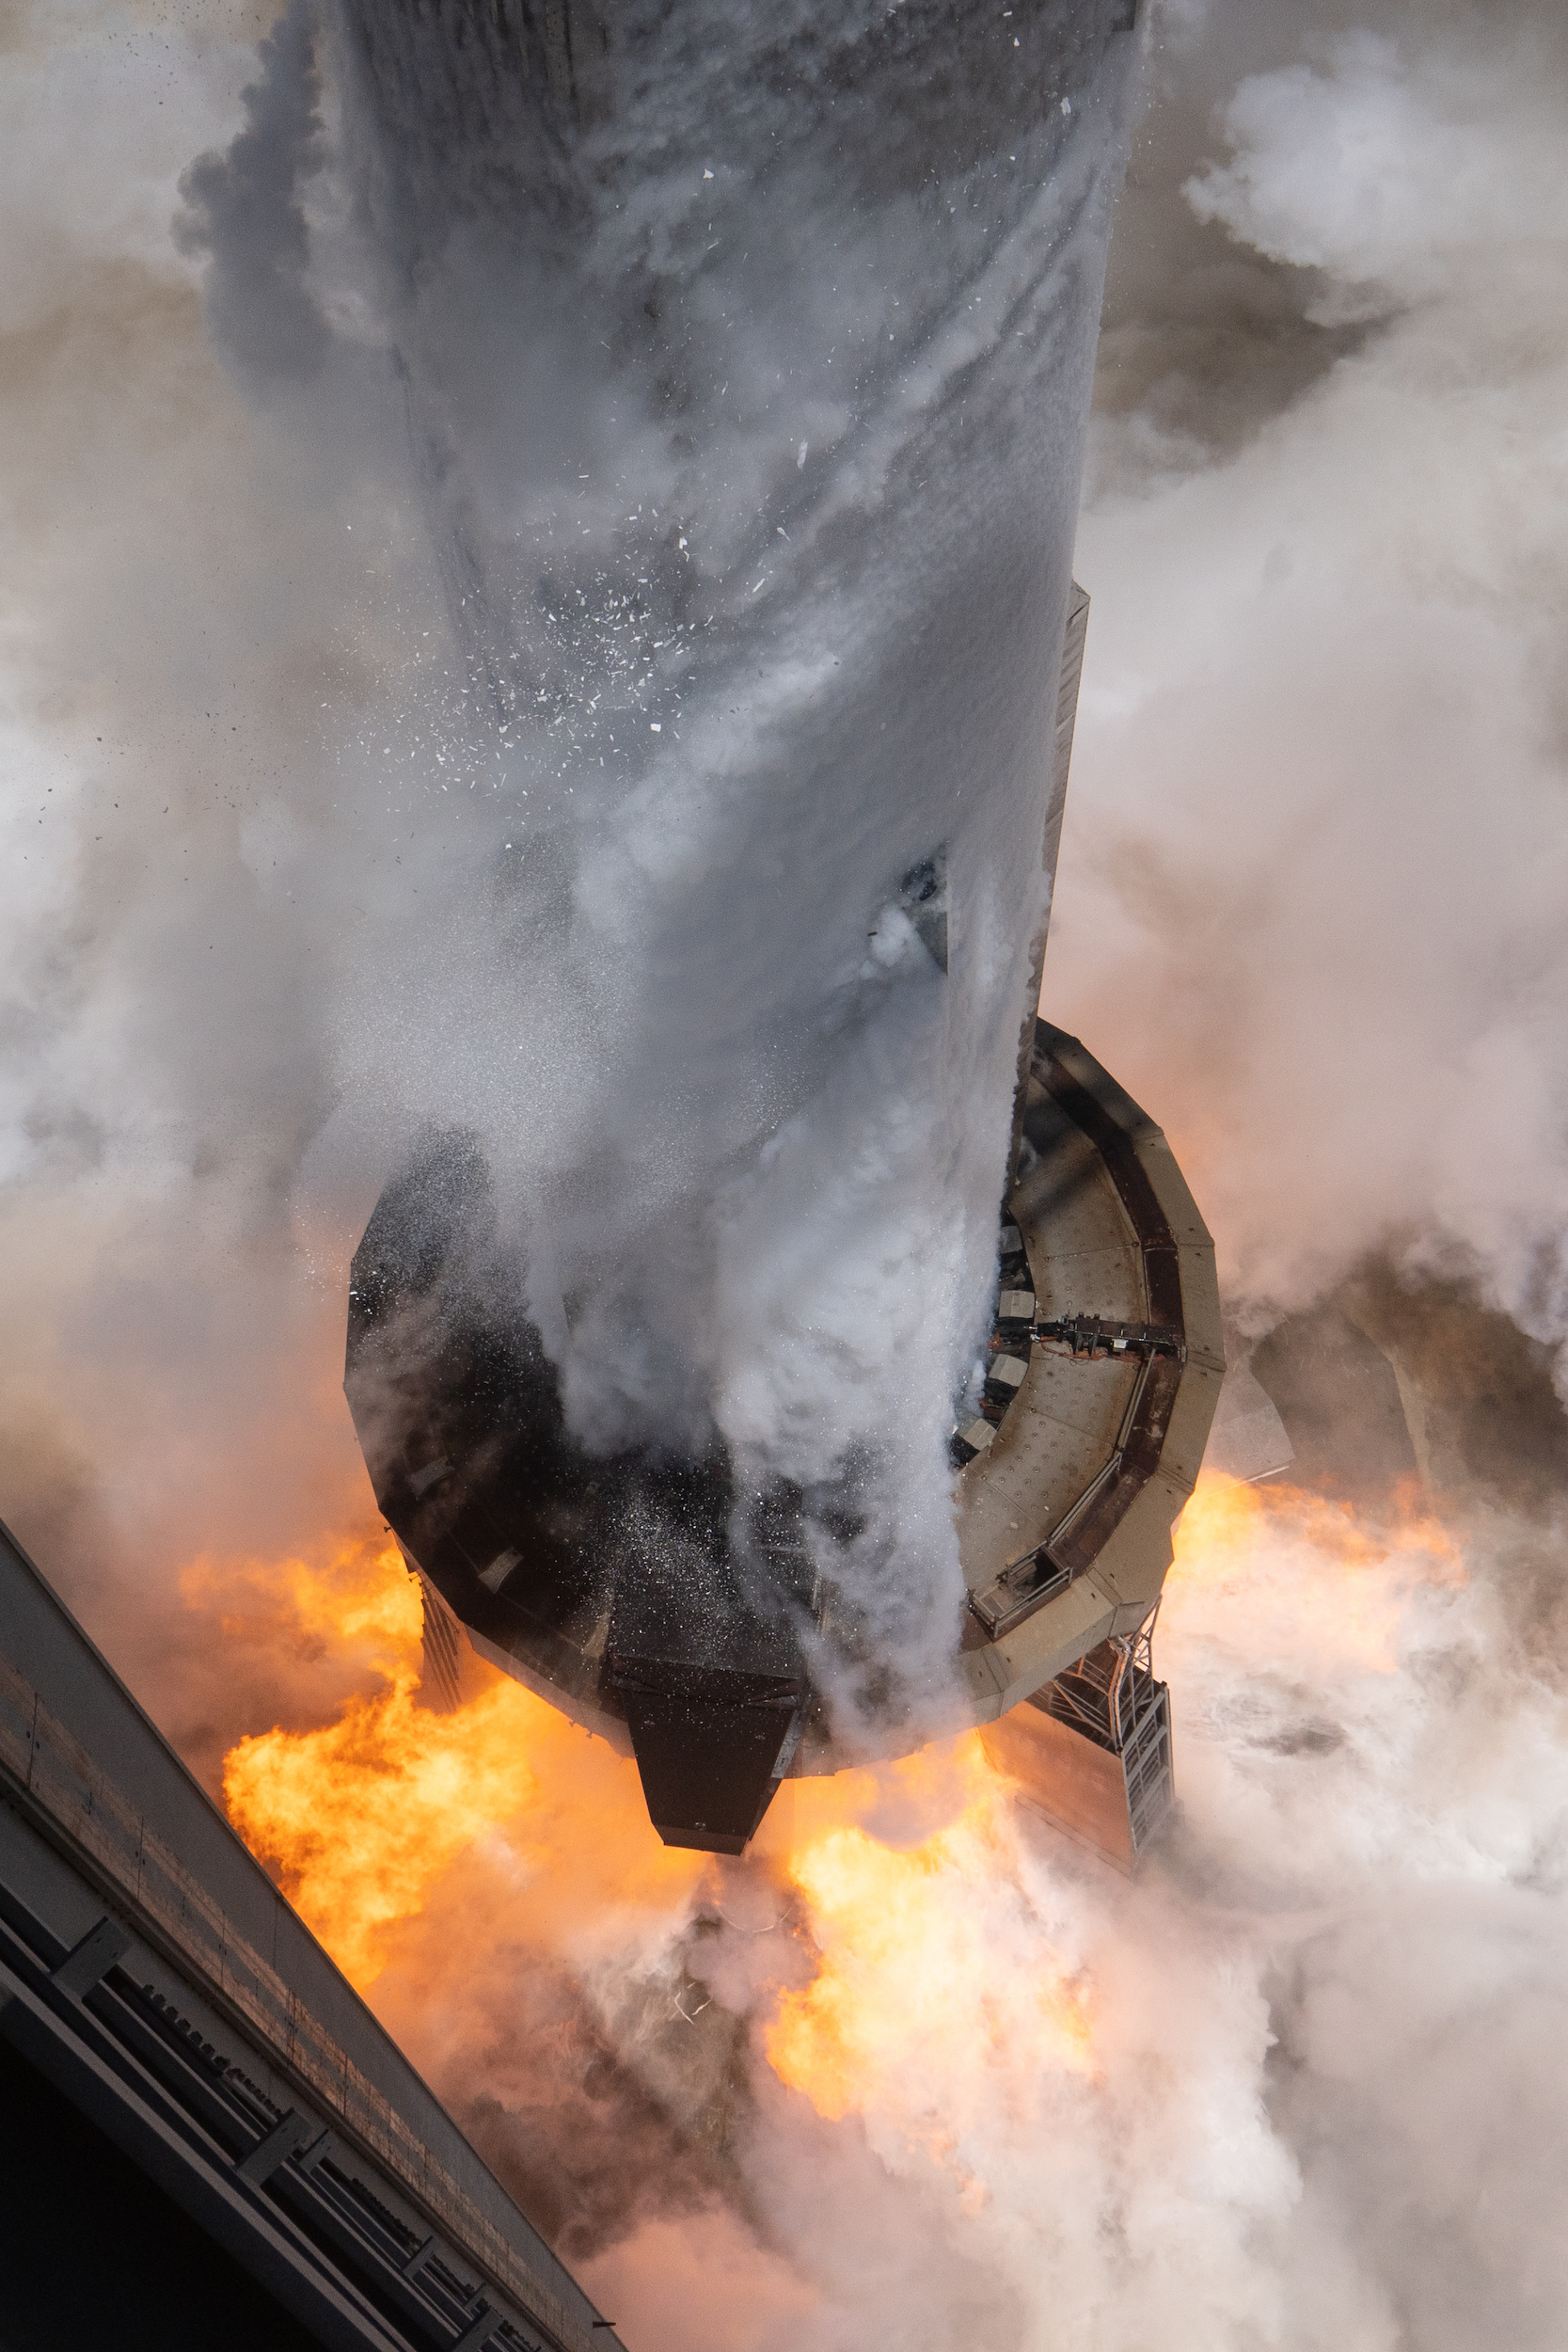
(1311, 913)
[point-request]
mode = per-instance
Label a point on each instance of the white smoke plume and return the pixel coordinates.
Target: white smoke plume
(1351, 888)
(1310, 910)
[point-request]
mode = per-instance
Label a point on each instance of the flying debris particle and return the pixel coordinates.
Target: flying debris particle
(708, 175)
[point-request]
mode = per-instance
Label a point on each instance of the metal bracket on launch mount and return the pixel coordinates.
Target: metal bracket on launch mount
(1087, 1335)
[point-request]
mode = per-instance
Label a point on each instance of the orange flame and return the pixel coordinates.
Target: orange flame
(1303, 1572)
(907, 1985)
(361, 1817)
(1224, 1518)
(903, 1971)
(906, 1876)
(358, 1597)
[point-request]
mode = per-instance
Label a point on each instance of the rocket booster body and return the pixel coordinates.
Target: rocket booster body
(747, 354)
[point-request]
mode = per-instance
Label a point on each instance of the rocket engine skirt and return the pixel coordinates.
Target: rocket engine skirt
(658, 1604)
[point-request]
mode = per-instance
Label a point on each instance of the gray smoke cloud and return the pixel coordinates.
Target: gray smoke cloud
(246, 210)
(1360, 960)
(1310, 910)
